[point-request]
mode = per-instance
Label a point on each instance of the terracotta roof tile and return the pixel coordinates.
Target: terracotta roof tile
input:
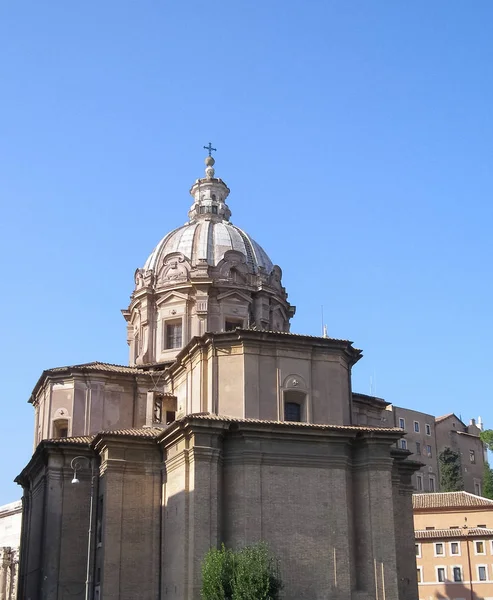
(145, 432)
(290, 334)
(443, 417)
(211, 417)
(449, 500)
(96, 366)
(81, 439)
(422, 534)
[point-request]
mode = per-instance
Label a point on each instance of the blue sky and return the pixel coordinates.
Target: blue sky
(356, 138)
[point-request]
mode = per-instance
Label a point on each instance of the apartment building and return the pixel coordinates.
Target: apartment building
(426, 436)
(454, 546)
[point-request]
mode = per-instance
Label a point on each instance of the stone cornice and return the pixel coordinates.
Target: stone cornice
(81, 372)
(40, 458)
(247, 337)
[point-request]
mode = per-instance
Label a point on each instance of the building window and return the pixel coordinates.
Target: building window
(170, 416)
(173, 334)
(418, 550)
(294, 405)
(428, 451)
(418, 448)
(428, 429)
(402, 423)
(429, 528)
(404, 444)
(214, 209)
(472, 456)
(419, 482)
(292, 411)
(419, 574)
(432, 483)
(457, 574)
(482, 573)
(416, 427)
(440, 574)
(60, 428)
(232, 324)
(479, 548)
(477, 488)
(455, 548)
(439, 549)
(483, 526)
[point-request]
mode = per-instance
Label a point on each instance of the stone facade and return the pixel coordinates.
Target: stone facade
(321, 495)
(225, 428)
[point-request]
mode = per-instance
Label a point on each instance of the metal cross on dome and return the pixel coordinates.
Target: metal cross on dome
(210, 149)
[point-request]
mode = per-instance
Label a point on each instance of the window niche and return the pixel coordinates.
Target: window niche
(294, 400)
(230, 324)
(163, 409)
(60, 428)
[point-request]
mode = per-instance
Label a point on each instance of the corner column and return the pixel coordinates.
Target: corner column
(375, 558)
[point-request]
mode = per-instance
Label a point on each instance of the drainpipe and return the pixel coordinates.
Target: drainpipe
(469, 561)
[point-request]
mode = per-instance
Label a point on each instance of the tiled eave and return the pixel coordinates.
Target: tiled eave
(476, 532)
(449, 500)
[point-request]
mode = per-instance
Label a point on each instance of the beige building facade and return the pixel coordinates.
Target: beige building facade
(224, 428)
(454, 546)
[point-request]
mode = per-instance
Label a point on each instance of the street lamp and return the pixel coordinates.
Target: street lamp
(77, 463)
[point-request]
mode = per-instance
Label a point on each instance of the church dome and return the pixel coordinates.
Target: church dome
(209, 240)
(205, 276)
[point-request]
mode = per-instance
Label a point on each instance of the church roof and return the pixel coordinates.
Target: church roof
(144, 432)
(95, 366)
(80, 439)
(209, 241)
(450, 500)
(226, 419)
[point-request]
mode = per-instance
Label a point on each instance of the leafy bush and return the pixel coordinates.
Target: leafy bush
(248, 574)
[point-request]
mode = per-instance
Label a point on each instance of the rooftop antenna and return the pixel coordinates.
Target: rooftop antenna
(373, 384)
(322, 310)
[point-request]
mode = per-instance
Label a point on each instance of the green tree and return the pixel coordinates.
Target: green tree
(487, 438)
(248, 574)
(217, 574)
(256, 574)
(487, 481)
(450, 471)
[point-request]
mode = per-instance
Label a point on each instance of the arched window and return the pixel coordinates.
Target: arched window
(294, 406)
(60, 428)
